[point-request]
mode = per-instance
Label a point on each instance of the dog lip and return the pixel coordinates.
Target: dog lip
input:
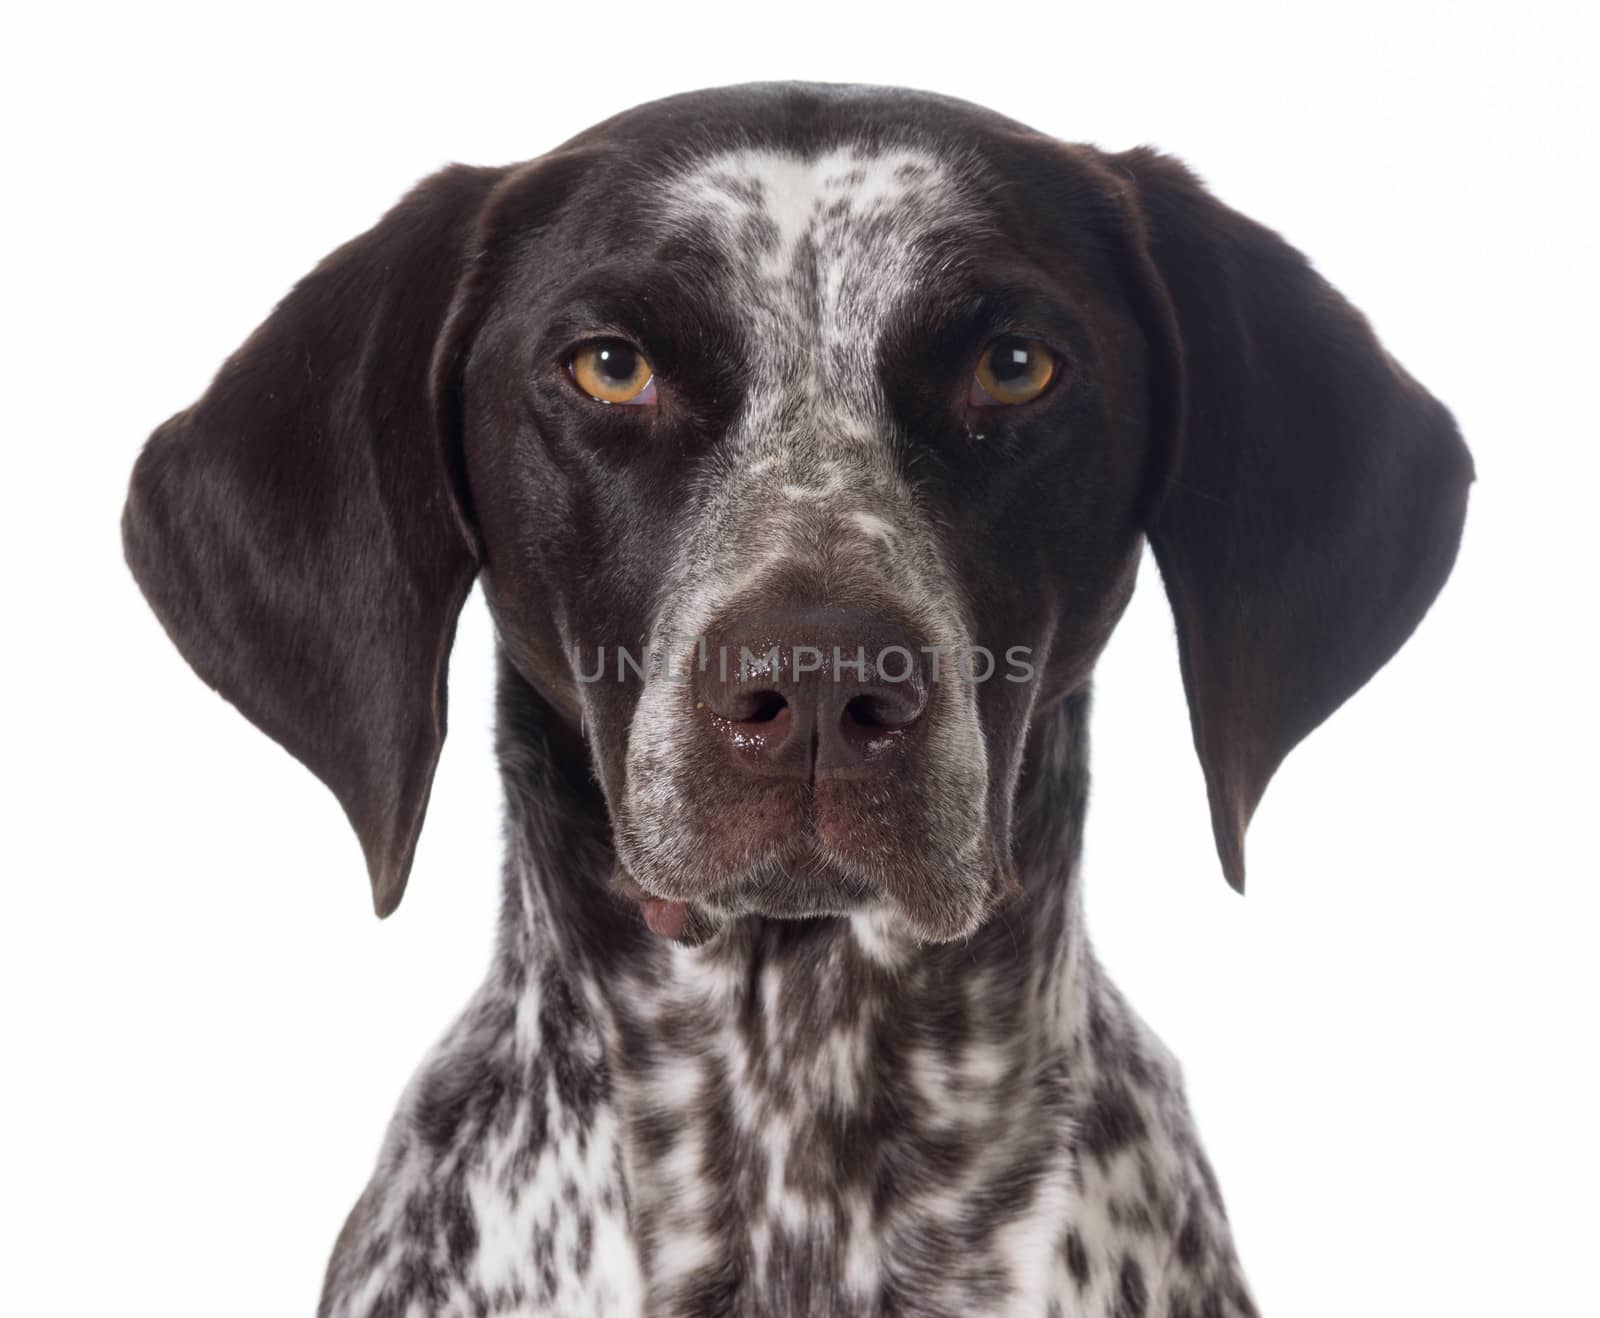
(842, 890)
(665, 919)
(663, 916)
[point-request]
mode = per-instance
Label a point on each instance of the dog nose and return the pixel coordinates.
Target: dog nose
(812, 692)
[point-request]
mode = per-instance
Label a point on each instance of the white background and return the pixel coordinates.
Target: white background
(1389, 1043)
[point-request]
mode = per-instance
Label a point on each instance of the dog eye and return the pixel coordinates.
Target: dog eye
(611, 371)
(1011, 371)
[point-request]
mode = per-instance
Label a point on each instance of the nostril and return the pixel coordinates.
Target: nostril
(867, 712)
(762, 729)
(765, 706)
(751, 707)
(870, 712)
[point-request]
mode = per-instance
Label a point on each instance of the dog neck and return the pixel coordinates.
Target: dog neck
(765, 1089)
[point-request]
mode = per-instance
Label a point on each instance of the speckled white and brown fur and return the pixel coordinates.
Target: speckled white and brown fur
(821, 1117)
(816, 1117)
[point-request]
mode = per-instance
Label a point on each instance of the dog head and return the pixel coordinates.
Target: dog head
(805, 440)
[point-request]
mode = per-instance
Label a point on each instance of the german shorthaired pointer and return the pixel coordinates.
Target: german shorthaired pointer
(805, 440)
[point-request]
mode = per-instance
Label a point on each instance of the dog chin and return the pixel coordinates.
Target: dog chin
(794, 894)
(808, 888)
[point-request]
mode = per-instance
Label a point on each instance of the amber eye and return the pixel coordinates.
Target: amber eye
(1011, 371)
(612, 371)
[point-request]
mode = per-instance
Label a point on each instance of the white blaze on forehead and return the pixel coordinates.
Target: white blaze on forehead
(787, 198)
(817, 252)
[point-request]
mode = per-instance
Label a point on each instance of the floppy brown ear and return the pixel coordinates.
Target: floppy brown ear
(295, 532)
(1313, 496)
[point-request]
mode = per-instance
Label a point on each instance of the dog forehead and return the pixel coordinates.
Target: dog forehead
(812, 236)
(811, 253)
(795, 188)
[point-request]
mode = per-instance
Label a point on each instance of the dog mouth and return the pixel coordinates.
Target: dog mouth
(698, 848)
(803, 882)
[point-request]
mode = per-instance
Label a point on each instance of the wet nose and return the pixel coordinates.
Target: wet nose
(812, 692)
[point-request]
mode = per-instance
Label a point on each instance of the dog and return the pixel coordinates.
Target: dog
(805, 439)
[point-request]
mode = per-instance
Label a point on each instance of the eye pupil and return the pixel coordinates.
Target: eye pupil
(617, 362)
(1011, 363)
